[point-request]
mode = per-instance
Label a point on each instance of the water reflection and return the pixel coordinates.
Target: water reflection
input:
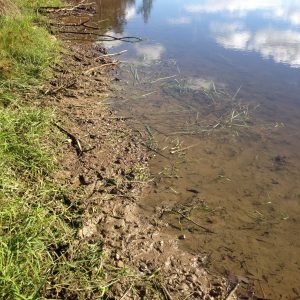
(281, 45)
(149, 53)
(145, 9)
(117, 13)
(288, 10)
(279, 40)
(179, 21)
(188, 49)
(114, 12)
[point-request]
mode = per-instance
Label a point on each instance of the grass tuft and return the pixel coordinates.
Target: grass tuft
(26, 52)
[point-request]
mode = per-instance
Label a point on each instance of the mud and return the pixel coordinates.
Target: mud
(105, 163)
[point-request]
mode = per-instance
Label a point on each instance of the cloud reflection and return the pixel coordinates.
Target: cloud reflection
(179, 21)
(283, 46)
(287, 10)
(150, 52)
(231, 35)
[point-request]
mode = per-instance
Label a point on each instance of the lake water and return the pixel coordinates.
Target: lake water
(214, 88)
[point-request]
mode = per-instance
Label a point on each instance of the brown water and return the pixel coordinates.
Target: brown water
(214, 89)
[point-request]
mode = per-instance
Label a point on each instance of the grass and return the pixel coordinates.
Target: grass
(26, 51)
(40, 254)
(36, 228)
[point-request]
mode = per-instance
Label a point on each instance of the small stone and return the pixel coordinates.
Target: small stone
(119, 224)
(184, 287)
(120, 264)
(143, 267)
(182, 237)
(190, 278)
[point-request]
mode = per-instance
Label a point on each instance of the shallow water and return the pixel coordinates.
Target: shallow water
(214, 88)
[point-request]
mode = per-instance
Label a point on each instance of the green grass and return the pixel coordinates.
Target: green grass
(26, 51)
(40, 255)
(27, 224)
(32, 214)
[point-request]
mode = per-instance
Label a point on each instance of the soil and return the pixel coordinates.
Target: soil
(104, 160)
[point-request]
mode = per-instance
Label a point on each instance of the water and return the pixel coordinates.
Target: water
(214, 87)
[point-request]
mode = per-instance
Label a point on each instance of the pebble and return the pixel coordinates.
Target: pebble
(182, 237)
(120, 264)
(143, 267)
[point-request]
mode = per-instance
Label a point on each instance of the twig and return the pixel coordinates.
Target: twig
(110, 55)
(154, 150)
(125, 294)
(166, 292)
(63, 86)
(70, 24)
(262, 290)
(120, 118)
(148, 94)
(64, 8)
(195, 223)
(100, 67)
(163, 78)
(232, 291)
(183, 149)
(238, 90)
(75, 142)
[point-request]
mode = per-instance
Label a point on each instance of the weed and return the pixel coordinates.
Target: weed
(140, 173)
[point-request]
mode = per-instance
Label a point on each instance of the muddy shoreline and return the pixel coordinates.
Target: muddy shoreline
(106, 165)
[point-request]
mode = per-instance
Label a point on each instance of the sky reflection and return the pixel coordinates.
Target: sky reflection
(270, 28)
(286, 10)
(278, 41)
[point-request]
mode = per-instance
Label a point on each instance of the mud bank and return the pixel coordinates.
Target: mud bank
(105, 164)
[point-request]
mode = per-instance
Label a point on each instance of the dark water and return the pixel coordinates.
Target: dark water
(214, 87)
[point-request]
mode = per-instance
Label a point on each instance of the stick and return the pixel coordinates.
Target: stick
(166, 292)
(64, 8)
(233, 98)
(75, 141)
(187, 218)
(99, 67)
(163, 78)
(232, 291)
(125, 294)
(183, 149)
(120, 118)
(152, 149)
(110, 55)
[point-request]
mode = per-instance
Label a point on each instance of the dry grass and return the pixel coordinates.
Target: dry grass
(8, 8)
